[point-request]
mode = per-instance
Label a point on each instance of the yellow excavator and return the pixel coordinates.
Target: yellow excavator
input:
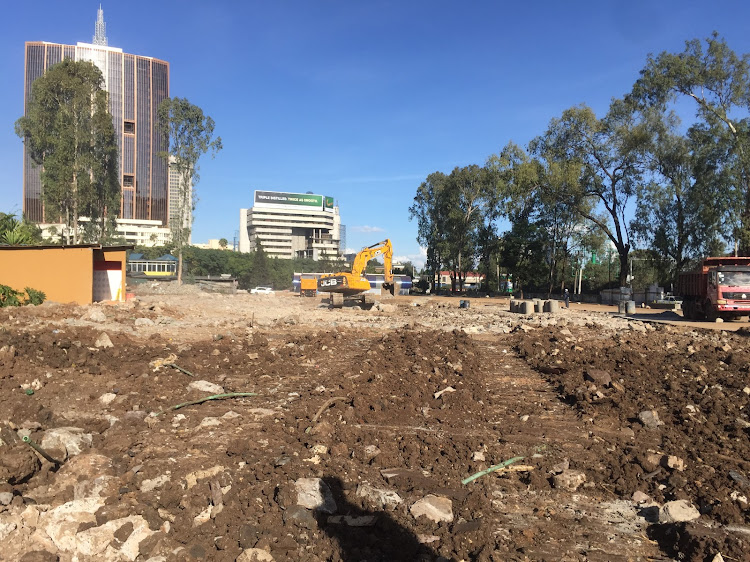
(354, 286)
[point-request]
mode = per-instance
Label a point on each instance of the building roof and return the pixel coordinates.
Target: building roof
(64, 246)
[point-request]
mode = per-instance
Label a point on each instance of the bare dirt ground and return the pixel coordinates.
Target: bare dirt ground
(629, 438)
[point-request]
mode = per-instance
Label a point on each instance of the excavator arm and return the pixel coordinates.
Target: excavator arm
(354, 283)
(383, 248)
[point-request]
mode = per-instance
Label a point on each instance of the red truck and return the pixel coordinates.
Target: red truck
(717, 288)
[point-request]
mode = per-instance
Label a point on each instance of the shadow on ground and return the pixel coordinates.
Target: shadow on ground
(371, 536)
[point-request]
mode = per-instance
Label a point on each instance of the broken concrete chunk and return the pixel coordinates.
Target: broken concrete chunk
(378, 497)
(206, 386)
(569, 480)
(72, 440)
(95, 315)
(255, 555)
(103, 341)
(314, 493)
(371, 451)
(435, 508)
(678, 511)
(650, 419)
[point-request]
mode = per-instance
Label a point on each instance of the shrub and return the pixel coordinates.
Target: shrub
(34, 297)
(11, 297)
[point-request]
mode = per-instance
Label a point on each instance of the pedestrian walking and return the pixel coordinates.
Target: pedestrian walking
(566, 296)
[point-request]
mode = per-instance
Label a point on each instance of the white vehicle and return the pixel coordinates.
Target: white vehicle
(261, 291)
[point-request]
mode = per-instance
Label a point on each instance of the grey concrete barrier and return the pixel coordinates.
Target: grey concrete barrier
(527, 307)
(629, 307)
(551, 306)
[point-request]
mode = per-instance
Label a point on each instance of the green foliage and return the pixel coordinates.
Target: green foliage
(717, 80)
(68, 130)
(34, 296)
(11, 297)
(15, 232)
(451, 212)
(187, 134)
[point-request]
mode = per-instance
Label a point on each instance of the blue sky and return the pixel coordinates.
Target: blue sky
(361, 100)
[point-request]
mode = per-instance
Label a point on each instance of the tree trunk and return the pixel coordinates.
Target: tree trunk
(623, 268)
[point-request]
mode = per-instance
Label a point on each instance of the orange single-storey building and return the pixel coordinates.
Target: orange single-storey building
(83, 273)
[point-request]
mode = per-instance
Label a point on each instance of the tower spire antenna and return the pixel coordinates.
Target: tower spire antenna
(100, 35)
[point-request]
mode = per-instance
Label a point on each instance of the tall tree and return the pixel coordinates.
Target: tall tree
(189, 135)
(681, 207)
(68, 131)
(718, 81)
(609, 152)
(431, 212)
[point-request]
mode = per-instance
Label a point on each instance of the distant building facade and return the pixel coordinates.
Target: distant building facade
(292, 225)
(136, 86)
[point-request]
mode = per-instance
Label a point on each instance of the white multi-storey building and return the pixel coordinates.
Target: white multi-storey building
(292, 225)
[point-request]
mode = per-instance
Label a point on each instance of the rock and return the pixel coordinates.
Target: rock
(320, 449)
(675, 463)
(103, 341)
(95, 315)
(371, 451)
(6, 529)
(206, 386)
(717, 558)
(152, 484)
(641, 497)
(562, 466)
(6, 498)
(598, 376)
(650, 419)
(62, 522)
(314, 493)
(569, 480)
(192, 478)
(255, 555)
(378, 497)
(478, 456)
(102, 541)
(300, 516)
(72, 440)
(435, 508)
(678, 511)
(107, 398)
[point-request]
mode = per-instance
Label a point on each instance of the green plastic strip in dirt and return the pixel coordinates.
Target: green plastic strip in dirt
(174, 366)
(491, 469)
(207, 398)
(26, 439)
